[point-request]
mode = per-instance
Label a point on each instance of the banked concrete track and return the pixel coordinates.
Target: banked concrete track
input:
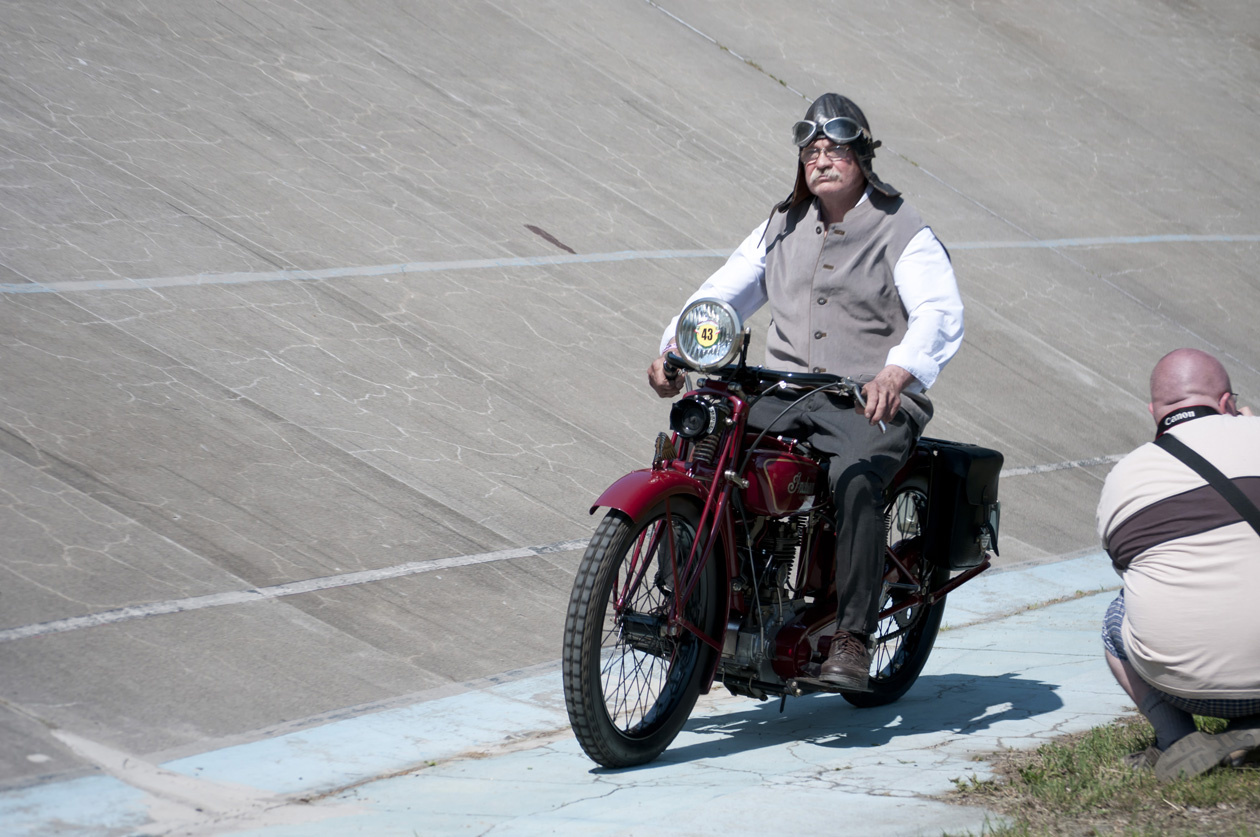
(321, 325)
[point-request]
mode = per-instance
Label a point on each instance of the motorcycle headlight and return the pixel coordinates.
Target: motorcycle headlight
(709, 334)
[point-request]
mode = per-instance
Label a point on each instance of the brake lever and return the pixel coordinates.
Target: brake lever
(857, 396)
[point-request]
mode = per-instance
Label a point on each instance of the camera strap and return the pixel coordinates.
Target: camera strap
(1232, 493)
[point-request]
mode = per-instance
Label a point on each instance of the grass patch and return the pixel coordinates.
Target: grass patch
(1078, 786)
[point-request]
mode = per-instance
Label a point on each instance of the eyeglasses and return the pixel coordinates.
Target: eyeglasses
(835, 153)
(839, 129)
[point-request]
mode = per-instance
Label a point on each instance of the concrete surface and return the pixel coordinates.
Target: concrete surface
(321, 324)
(1018, 663)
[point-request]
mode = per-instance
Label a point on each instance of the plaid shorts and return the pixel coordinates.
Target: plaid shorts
(1209, 708)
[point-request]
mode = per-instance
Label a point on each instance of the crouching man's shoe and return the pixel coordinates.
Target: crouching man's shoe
(1199, 752)
(848, 663)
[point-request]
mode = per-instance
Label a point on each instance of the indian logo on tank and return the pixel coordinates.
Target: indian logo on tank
(799, 486)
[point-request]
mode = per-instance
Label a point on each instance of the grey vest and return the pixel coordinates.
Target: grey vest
(833, 303)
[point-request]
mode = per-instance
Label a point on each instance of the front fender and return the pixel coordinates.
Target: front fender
(638, 491)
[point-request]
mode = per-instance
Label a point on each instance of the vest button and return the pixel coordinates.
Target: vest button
(820, 369)
(818, 228)
(818, 335)
(822, 300)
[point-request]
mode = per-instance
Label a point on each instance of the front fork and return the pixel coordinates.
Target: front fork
(634, 495)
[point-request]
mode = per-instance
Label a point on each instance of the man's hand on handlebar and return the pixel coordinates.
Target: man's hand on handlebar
(664, 385)
(883, 393)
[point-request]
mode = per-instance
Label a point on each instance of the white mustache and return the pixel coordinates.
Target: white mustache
(823, 175)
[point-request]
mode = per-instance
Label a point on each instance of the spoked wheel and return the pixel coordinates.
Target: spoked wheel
(904, 639)
(629, 681)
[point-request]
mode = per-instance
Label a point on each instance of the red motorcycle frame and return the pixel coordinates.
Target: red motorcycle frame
(717, 564)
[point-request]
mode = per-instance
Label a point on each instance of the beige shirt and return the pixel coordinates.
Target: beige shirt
(1191, 566)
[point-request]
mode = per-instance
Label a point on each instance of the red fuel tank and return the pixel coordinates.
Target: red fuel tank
(780, 482)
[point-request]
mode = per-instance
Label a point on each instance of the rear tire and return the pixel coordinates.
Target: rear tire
(903, 641)
(627, 688)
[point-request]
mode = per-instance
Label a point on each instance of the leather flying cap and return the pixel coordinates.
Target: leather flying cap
(830, 106)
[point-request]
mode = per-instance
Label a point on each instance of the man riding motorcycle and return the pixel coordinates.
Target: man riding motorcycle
(859, 286)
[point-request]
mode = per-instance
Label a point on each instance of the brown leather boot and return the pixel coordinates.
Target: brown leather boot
(848, 663)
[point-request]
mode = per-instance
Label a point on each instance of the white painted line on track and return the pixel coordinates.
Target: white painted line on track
(1110, 241)
(1062, 466)
(258, 594)
(79, 285)
(294, 588)
(357, 272)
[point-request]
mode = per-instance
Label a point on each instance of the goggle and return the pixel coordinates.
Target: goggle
(839, 129)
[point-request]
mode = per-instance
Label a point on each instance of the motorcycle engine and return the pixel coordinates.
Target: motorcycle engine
(769, 552)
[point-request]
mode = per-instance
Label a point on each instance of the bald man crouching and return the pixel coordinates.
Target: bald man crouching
(1183, 636)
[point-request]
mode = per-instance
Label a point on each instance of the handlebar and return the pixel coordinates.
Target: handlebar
(746, 375)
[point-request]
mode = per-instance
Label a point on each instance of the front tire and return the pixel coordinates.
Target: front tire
(903, 641)
(629, 686)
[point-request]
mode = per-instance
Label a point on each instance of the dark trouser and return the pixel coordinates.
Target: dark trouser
(863, 460)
